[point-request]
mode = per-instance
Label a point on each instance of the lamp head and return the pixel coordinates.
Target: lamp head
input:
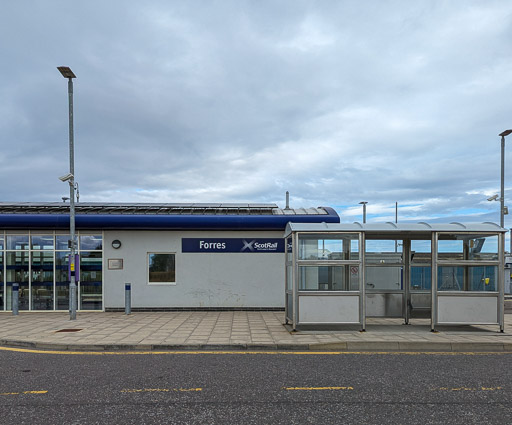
(493, 198)
(505, 133)
(66, 178)
(66, 72)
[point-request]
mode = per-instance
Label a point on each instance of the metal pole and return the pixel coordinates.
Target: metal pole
(72, 283)
(501, 282)
(15, 298)
(396, 221)
(502, 209)
(363, 203)
(127, 298)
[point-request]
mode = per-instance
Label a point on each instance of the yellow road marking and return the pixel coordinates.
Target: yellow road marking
(243, 352)
(25, 392)
(163, 390)
(316, 388)
(470, 389)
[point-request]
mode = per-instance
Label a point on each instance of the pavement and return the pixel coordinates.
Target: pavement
(236, 330)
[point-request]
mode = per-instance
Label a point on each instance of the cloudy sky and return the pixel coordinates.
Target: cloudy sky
(240, 101)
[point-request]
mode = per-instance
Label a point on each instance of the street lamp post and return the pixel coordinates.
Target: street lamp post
(363, 203)
(502, 200)
(70, 178)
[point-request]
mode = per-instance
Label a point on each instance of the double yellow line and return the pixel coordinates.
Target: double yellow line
(243, 352)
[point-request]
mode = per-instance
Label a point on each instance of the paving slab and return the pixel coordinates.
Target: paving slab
(261, 330)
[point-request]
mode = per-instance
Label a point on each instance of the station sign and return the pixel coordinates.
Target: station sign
(243, 245)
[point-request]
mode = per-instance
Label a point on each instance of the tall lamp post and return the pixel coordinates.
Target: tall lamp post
(70, 178)
(363, 203)
(502, 200)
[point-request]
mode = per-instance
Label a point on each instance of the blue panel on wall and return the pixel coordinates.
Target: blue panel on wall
(247, 245)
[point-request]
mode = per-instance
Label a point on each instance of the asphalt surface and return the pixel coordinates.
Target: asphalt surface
(264, 388)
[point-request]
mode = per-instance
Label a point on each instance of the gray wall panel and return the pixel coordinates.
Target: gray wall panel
(202, 279)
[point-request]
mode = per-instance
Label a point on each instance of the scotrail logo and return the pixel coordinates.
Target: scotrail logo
(255, 246)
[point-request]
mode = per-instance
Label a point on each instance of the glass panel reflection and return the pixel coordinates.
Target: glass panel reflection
(468, 247)
(383, 251)
(162, 268)
(42, 242)
(88, 242)
(289, 278)
(61, 242)
(421, 278)
(90, 281)
(467, 278)
(380, 278)
(289, 247)
(17, 264)
(17, 242)
(339, 247)
(62, 280)
(329, 278)
(42, 280)
(421, 251)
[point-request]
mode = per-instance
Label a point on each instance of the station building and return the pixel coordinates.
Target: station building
(321, 272)
(176, 256)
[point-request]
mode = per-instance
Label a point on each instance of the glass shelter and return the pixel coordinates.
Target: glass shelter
(343, 273)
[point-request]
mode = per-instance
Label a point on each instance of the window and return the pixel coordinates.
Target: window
(161, 268)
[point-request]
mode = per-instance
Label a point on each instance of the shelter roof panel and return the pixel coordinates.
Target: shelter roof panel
(394, 228)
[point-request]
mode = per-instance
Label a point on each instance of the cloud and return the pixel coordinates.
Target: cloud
(240, 101)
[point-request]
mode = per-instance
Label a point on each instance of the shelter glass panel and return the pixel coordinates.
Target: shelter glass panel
(17, 264)
(1, 242)
(289, 305)
(467, 278)
(337, 247)
(421, 278)
(62, 279)
(289, 248)
(421, 251)
(328, 278)
(468, 247)
(383, 251)
(42, 280)
(90, 280)
(289, 278)
(384, 278)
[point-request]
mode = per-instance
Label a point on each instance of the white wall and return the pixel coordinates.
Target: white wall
(202, 279)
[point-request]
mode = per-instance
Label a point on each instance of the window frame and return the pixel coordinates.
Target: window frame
(148, 282)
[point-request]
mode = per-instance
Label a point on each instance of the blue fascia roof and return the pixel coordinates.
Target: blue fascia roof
(162, 222)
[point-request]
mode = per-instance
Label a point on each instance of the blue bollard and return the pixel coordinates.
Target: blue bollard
(127, 298)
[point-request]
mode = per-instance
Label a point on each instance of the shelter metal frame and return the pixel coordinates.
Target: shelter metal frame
(341, 307)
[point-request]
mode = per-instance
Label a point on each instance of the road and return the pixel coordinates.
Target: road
(262, 388)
